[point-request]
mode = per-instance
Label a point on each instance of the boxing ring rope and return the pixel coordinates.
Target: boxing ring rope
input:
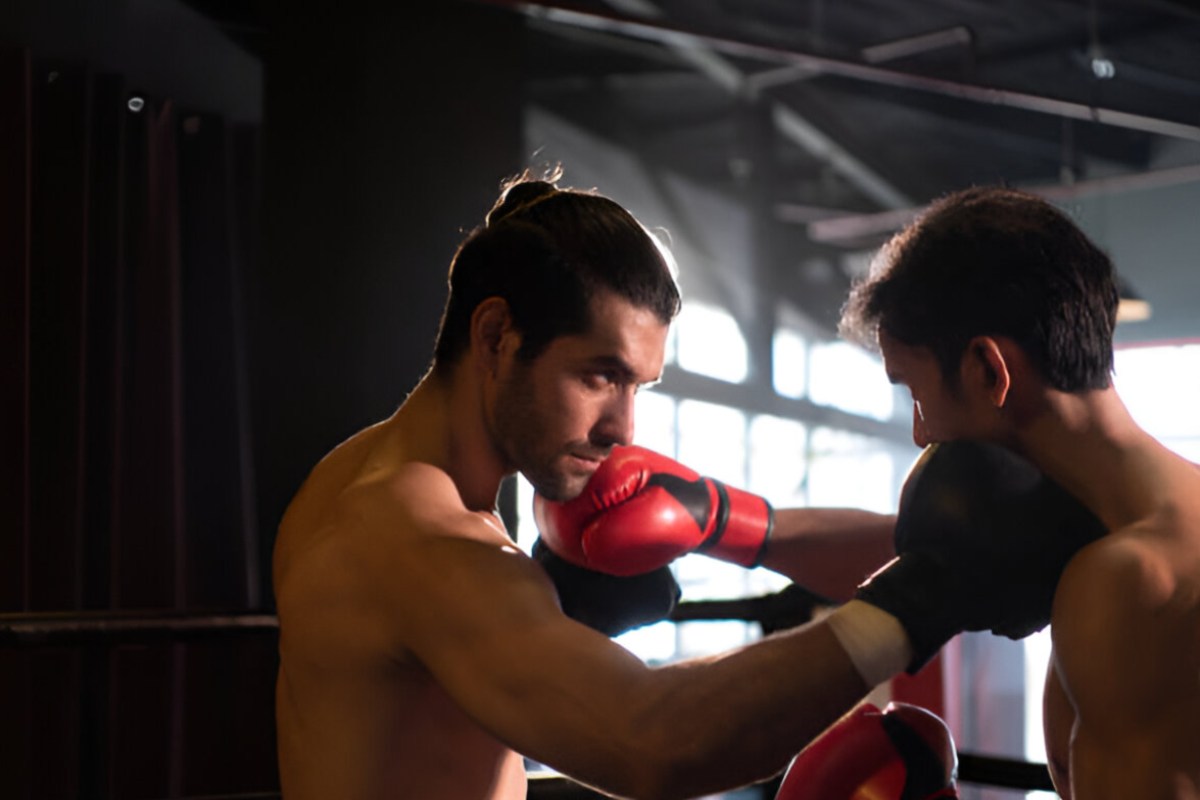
(111, 628)
(790, 607)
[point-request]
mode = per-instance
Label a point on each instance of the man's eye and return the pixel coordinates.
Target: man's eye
(605, 378)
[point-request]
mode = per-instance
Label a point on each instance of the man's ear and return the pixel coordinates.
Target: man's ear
(492, 333)
(986, 364)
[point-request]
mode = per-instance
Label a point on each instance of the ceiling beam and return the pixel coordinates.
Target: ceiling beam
(677, 37)
(790, 124)
(856, 227)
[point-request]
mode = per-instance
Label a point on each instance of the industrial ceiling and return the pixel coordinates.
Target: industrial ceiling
(841, 118)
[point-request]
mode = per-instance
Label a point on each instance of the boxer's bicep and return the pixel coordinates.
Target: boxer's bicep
(457, 595)
(489, 629)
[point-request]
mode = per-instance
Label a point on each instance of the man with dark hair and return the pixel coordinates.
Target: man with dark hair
(547, 252)
(997, 313)
(422, 654)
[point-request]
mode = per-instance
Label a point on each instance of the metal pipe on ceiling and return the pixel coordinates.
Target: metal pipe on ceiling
(642, 29)
(787, 121)
(856, 227)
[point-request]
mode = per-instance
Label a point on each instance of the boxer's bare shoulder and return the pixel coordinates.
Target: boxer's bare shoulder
(358, 553)
(368, 528)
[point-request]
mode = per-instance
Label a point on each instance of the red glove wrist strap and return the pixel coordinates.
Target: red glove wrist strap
(742, 527)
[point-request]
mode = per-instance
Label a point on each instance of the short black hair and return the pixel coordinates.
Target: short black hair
(993, 261)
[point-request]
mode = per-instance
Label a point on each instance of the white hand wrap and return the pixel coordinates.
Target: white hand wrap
(874, 640)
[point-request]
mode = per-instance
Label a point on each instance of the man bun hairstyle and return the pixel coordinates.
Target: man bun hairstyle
(547, 251)
(517, 197)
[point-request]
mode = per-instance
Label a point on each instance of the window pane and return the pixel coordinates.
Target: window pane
(712, 440)
(789, 359)
(654, 422)
(1161, 388)
(848, 469)
(845, 376)
(778, 460)
(709, 342)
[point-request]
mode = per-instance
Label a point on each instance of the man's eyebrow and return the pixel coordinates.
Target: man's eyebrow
(614, 363)
(620, 366)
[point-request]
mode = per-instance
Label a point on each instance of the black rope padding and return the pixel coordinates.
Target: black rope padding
(787, 608)
(23, 631)
(790, 607)
(1008, 773)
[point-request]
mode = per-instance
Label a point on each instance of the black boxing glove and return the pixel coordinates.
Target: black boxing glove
(982, 537)
(609, 604)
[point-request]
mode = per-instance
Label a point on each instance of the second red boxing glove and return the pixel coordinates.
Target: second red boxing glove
(904, 752)
(641, 510)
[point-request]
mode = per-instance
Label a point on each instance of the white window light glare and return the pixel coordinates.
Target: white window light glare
(654, 422)
(844, 376)
(709, 342)
(777, 459)
(850, 469)
(789, 363)
(712, 440)
(1161, 388)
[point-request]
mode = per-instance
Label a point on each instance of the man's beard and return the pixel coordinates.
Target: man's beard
(518, 431)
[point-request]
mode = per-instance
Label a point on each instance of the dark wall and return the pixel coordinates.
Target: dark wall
(387, 136)
(162, 47)
(199, 299)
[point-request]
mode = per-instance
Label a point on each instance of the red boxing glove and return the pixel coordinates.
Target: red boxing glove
(901, 753)
(641, 510)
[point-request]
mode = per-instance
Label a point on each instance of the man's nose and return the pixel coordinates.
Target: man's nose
(616, 426)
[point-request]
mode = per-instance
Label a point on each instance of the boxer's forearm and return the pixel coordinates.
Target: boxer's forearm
(829, 551)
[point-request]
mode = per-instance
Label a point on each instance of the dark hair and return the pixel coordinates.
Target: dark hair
(547, 252)
(993, 261)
